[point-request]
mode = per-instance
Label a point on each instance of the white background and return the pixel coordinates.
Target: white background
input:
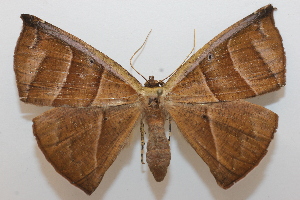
(118, 28)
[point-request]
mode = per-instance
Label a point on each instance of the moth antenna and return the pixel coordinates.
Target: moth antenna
(170, 132)
(184, 59)
(188, 56)
(136, 53)
(142, 130)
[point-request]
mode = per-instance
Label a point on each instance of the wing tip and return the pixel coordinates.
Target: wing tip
(31, 20)
(265, 10)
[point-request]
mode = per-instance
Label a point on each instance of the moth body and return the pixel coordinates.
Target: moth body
(158, 150)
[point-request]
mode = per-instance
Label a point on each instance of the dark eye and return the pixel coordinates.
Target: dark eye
(92, 61)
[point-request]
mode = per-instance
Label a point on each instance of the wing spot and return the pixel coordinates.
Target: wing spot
(205, 117)
(210, 56)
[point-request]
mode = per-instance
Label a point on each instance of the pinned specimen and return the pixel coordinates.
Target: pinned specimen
(97, 102)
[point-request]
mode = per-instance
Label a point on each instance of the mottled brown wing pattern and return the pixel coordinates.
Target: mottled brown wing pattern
(245, 60)
(54, 68)
(99, 101)
(231, 137)
(82, 143)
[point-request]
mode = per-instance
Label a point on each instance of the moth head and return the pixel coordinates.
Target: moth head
(153, 83)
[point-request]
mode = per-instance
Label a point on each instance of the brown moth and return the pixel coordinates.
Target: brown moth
(97, 102)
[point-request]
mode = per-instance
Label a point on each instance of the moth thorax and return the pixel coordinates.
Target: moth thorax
(154, 100)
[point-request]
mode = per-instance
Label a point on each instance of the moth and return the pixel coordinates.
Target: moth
(97, 102)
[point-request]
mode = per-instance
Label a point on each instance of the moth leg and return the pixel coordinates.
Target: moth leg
(170, 127)
(142, 130)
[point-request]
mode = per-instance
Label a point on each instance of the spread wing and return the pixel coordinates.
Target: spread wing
(231, 137)
(202, 97)
(245, 60)
(54, 68)
(98, 101)
(82, 143)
